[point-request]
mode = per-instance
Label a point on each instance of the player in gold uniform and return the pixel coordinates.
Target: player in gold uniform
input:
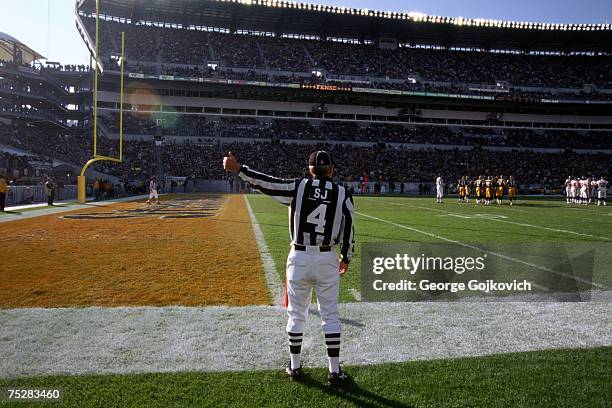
(488, 187)
(460, 189)
(511, 184)
(479, 185)
(500, 185)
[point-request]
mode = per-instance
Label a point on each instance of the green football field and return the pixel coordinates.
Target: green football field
(420, 219)
(560, 378)
(574, 377)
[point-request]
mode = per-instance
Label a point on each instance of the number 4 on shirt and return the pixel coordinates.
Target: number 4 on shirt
(317, 217)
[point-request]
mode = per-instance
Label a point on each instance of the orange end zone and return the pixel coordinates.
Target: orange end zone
(189, 252)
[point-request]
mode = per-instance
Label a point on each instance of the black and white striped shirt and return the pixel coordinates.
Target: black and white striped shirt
(321, 211)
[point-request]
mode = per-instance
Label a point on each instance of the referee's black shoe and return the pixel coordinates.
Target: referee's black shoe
(294, 374)
(337, 379)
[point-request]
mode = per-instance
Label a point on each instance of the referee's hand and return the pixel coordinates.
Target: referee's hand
(230, 163)
(343, 268)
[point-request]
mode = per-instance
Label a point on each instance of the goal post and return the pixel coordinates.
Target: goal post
(81, 180)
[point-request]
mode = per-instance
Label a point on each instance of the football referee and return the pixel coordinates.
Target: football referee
(321, 217)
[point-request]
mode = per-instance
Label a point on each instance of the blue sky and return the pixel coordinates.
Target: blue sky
(48, 25)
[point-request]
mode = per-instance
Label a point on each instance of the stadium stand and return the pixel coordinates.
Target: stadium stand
(272, 95)
(200, 158)
(345, 131)
(387, 69)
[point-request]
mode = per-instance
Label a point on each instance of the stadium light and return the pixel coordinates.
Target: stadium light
(422, 17)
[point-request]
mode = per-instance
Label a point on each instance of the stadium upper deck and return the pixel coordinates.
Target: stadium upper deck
(363, 25)
(51, 96)
(279, 43)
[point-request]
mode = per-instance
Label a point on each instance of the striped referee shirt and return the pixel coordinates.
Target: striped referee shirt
(321, 212)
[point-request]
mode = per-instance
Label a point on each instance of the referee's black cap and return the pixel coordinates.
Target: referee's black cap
(320, 158)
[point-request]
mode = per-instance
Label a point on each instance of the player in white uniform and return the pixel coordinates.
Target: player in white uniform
(593, 188)
(587, 184)
(584, 199)
(439, 190)
(602, 191)
(574, 190)
(153, 191)
(568, 189)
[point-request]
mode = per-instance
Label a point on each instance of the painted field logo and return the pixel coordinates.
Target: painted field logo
(176, 208)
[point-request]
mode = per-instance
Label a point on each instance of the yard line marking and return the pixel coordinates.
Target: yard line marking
(513, 222)
(272, 280)
(465, 245)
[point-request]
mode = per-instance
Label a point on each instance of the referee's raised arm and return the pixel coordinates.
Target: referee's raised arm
(282, 190)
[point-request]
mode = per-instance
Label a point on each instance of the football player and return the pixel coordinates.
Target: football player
(461, 189)
(488, 186)
(574, 190)
(602, 191)
(499, 189)
(479, 189)
(511, 184)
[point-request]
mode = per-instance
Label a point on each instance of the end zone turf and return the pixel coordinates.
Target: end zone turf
(129, 254)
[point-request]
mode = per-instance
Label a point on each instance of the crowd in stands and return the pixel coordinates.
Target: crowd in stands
(29, 87)
(11, 164)
(166, 124)
(281, 53)
(136, 67)
(386, 163)
(137, 124)
(203, 159)
(278, 129)
(78, 149)
(192, 47)
(69, 68)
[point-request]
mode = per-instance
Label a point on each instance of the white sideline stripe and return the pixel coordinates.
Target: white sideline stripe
(272, 280)
(94, 340)
(465, 245)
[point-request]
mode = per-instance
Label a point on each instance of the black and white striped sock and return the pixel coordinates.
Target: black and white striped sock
(295, 348)
(332, 343)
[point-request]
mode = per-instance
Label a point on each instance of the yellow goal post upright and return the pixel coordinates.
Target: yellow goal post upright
(81, 180)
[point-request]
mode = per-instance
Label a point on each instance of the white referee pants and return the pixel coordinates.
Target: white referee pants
(307, 270)
(153, 195)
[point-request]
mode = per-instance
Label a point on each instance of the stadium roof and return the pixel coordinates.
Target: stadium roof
(7, 45)
(282, 17)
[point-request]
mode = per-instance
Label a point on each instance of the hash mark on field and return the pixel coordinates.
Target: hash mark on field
(272, 280)
(465, 245)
